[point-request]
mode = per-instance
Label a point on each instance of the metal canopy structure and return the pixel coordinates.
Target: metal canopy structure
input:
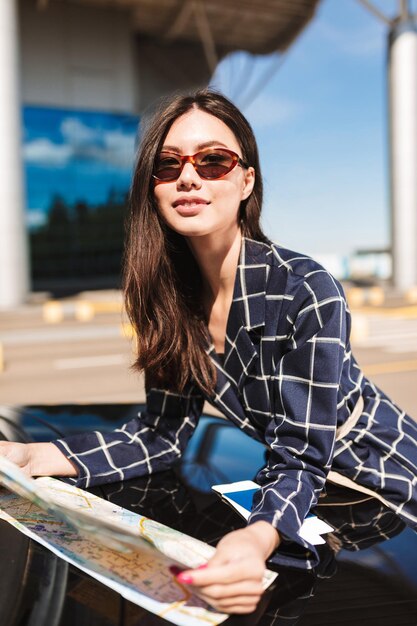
(257, 26)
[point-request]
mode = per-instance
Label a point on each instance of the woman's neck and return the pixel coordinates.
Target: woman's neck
(218, 259)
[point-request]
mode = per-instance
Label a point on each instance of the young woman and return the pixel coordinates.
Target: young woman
(223, 314)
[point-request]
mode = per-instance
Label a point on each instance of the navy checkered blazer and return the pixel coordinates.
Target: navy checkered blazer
(290, 381)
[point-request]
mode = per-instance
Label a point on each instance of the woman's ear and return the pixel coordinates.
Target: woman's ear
(249, 182)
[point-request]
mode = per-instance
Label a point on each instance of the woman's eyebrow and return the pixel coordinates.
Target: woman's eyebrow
(200, 146)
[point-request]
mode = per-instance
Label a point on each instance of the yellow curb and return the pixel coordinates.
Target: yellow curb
(355, 297)
(126, 330)
(390, 368)
(85, 310)
(397, 312)
(360, 327)
(376, 296)
(53, 312)
(360, 296)
(106, 307)
(411, 295)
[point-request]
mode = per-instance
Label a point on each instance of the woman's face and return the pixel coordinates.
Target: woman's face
(193, 206)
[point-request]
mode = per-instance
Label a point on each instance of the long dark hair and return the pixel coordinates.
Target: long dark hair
(162, 281)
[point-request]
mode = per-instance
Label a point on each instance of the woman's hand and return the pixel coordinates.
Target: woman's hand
(231, 581)
(38, 459)
(18, 453)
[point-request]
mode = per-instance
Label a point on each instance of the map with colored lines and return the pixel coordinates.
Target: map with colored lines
(124, 550)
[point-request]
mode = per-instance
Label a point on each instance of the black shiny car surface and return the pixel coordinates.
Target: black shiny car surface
(367, 573)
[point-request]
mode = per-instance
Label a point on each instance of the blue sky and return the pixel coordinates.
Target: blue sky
(318, 111)
(321, 125)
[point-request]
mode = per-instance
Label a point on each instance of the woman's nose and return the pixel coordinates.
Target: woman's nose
(189, 177)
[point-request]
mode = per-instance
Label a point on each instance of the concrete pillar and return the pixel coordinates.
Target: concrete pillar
(402, 66)
(14, 273)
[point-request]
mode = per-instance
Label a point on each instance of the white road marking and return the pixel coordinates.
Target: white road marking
(395, 336)
(56, 334)
(103, 360)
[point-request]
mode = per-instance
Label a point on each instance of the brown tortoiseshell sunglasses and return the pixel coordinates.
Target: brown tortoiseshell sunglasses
(210, 164)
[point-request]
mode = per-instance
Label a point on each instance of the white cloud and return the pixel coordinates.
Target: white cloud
(76, 133)
(45, 152)
(120, 148)
(112, 147)
(35, 218)
(108, 146)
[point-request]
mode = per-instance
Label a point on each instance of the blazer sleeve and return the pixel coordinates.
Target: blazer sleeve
(149, 443)
(301, 432)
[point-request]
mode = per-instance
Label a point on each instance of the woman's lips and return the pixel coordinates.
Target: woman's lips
(188, 208)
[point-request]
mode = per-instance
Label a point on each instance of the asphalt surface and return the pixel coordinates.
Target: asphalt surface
(89, 361)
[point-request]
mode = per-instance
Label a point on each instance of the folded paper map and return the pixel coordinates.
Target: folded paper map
(124, 550)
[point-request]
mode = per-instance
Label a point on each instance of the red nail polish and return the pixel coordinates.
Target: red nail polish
(175, 570)
(183, 578)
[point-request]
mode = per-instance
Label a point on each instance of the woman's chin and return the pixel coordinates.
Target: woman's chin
(192, 230)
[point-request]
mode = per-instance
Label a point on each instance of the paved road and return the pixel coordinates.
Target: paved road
(66, 362)
(89, 361)
(387, 351)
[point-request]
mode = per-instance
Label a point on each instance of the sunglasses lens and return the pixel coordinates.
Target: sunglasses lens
(167, 167)
(214, 164)
(210, 164)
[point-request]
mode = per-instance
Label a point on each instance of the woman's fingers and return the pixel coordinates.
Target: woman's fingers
(238, 609)
(232, 579)
(238, 604)
(233, 587)
(15, 452)
(38, 459)
(239, 597)
(239, 570)
(242, 588)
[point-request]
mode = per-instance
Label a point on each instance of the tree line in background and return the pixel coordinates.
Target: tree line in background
(80, 242)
